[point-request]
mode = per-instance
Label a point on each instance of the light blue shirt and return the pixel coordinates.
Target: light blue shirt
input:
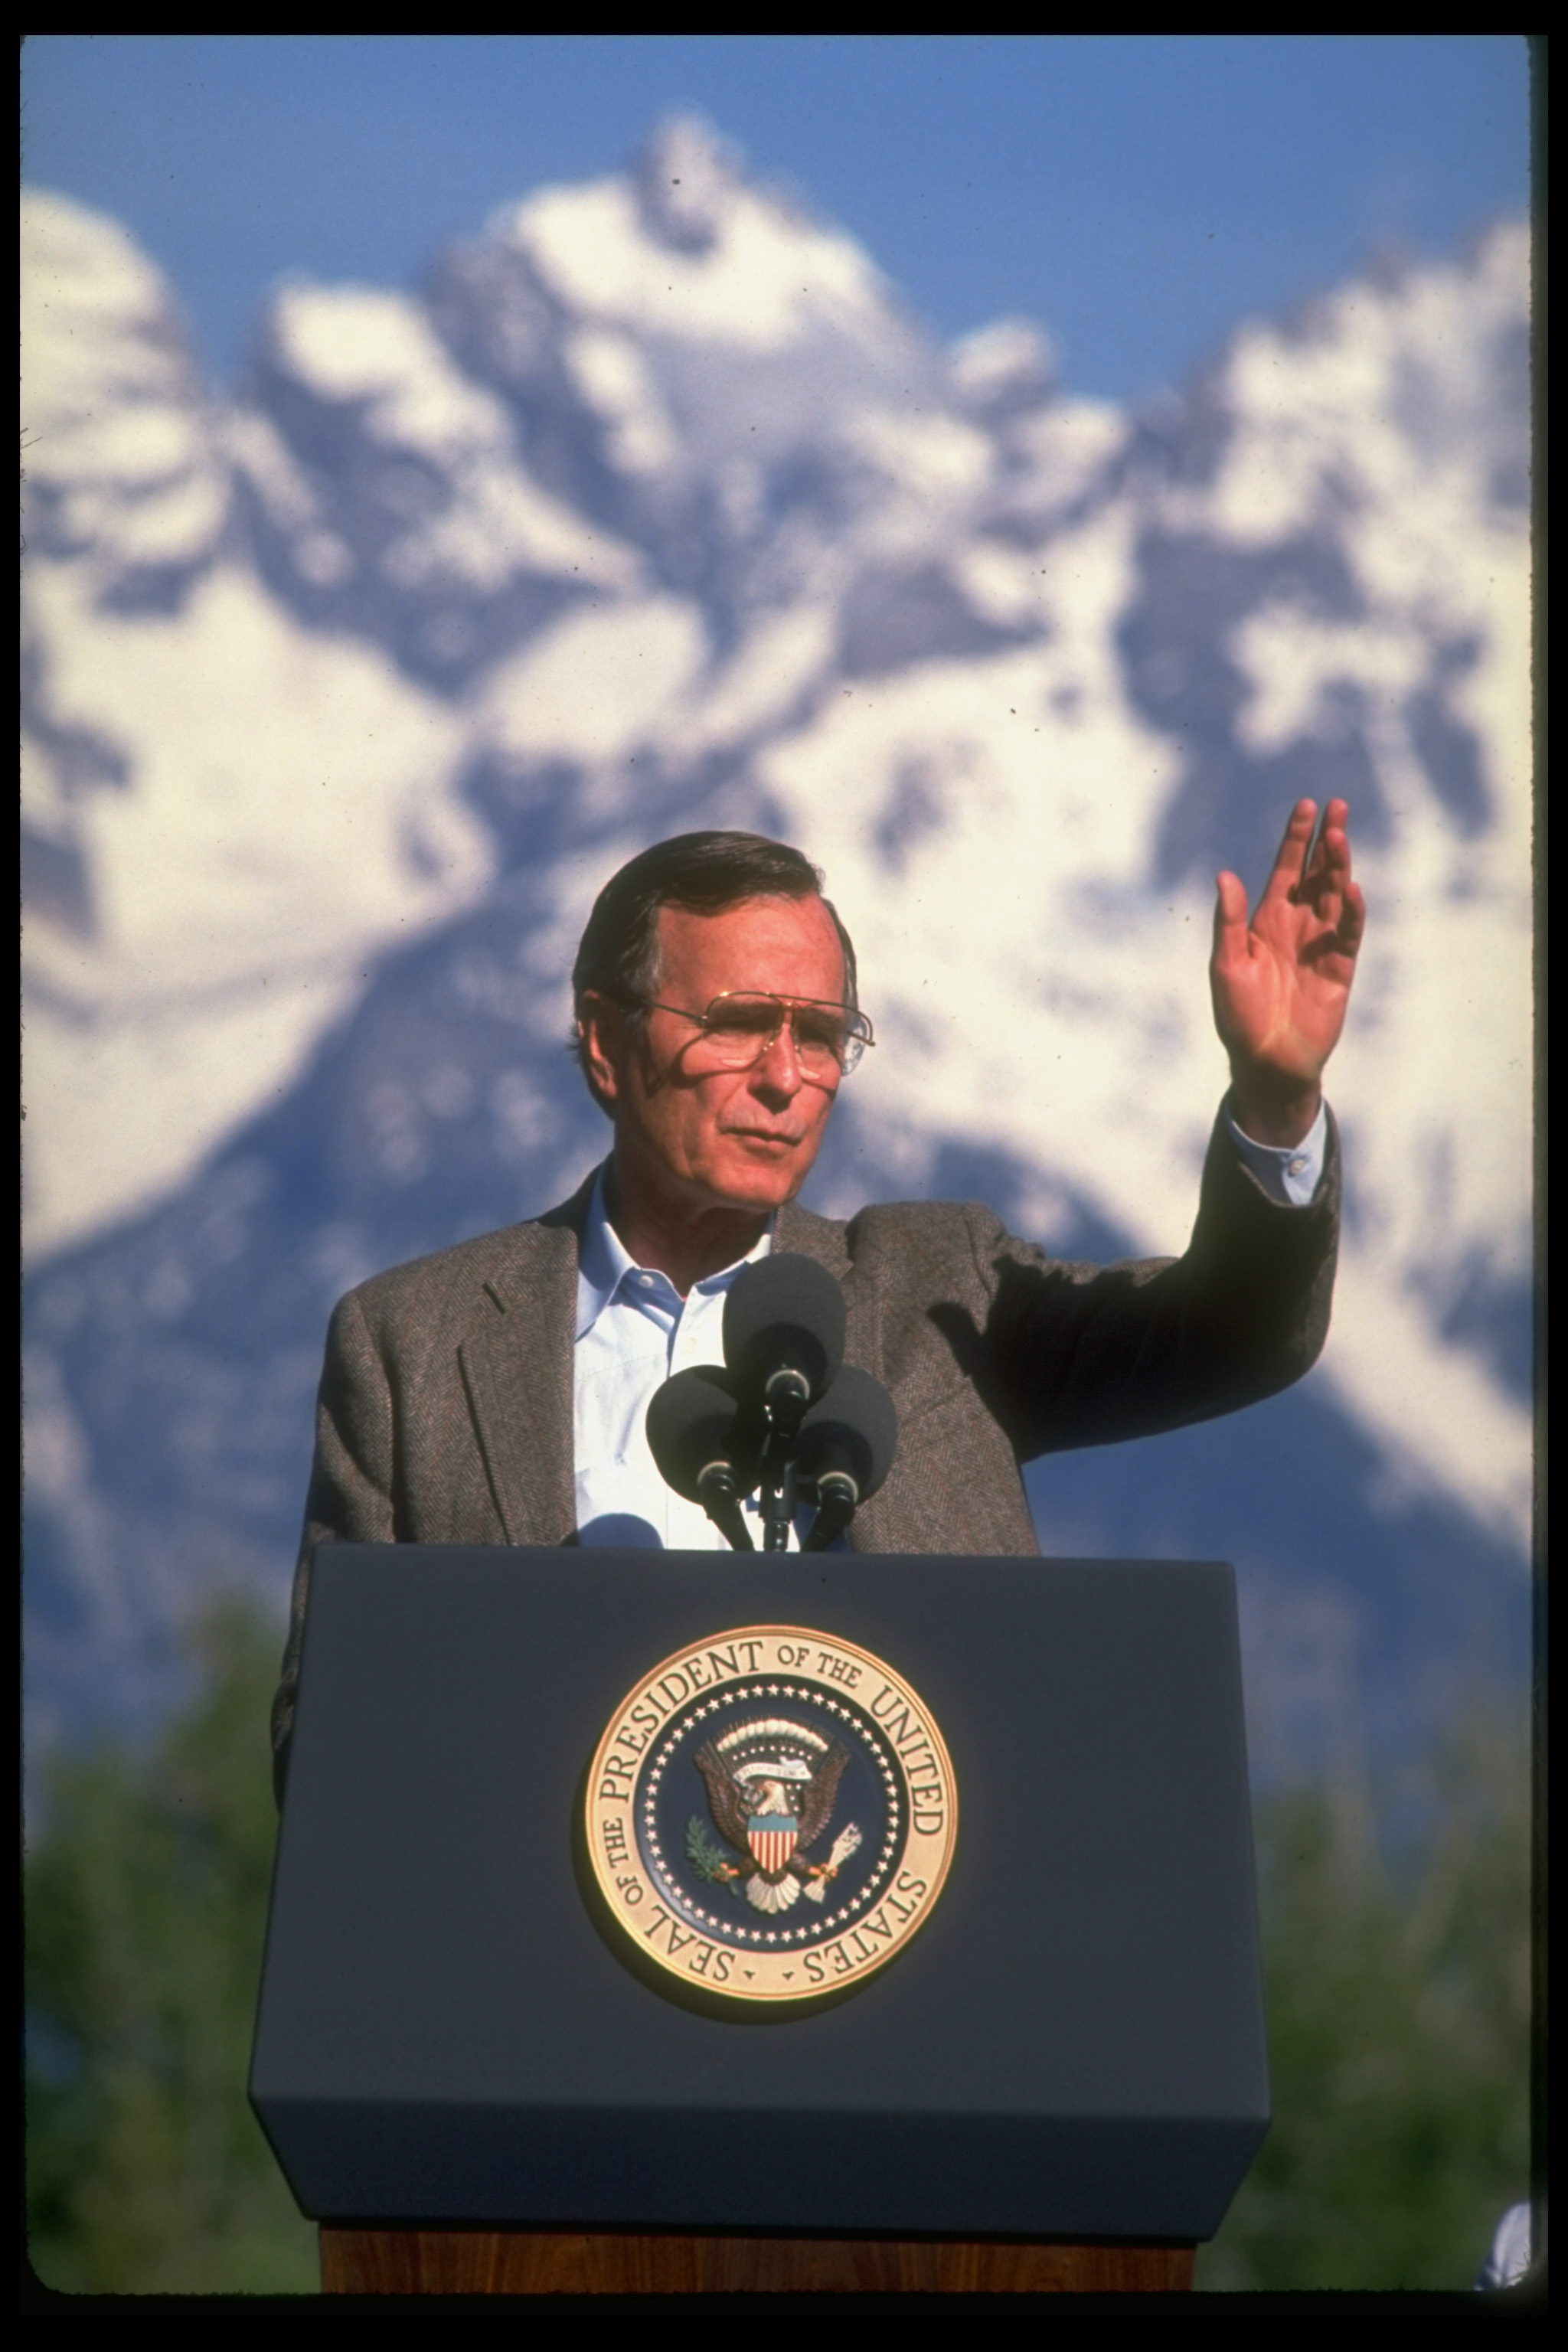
(635, 1331)
(1293, 1174)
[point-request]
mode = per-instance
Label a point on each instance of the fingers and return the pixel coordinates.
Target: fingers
(1312, 872)
(1231, 930)
(1326, 874)
(1230, 934)
(1352, 919)
(1290, 863)
(1333, 845)
(1327, 886)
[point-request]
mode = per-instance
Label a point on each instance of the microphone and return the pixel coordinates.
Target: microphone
(845, 1447)
(693, 1438)
(783, 1336)
(786, 1412)
(783, 1342)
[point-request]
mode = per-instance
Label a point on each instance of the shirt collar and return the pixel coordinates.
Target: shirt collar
(602, 1263)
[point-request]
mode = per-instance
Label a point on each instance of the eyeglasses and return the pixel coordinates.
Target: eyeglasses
(741, 1025)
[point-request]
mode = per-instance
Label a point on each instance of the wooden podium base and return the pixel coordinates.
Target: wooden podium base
(544, 2261)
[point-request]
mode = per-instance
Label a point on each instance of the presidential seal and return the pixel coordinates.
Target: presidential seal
(770, 1814)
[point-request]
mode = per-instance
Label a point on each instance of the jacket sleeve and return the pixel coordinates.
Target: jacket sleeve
(350, 1496)
(1080, 1355)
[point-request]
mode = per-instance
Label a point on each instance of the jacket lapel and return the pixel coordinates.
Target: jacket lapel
(827, 1242)
(517, 1362)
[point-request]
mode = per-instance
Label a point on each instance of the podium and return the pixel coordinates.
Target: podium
(475, 2081)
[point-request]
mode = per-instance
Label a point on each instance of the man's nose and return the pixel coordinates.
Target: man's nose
(777, 1066)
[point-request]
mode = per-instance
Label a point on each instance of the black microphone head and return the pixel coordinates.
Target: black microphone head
(854, 1428)
(692, 1424)
(784, 1313)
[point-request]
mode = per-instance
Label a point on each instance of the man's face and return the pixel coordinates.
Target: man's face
(727, 1139)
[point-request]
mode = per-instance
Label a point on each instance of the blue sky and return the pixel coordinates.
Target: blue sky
(1135, 194)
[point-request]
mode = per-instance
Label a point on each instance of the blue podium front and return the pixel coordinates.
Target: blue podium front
(455, 2027)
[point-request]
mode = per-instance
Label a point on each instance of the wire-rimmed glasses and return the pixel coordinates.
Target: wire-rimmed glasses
(739, 1027)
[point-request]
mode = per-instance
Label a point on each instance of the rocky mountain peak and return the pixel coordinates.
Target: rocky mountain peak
(687, 179)
(123, 476)
(651, 510)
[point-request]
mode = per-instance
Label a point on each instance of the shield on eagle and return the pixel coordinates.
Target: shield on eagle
(772, 1780)
(771, 1838)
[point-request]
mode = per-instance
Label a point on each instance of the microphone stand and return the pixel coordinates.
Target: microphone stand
(786, 1396)
(720, 1497)
(778, 1505)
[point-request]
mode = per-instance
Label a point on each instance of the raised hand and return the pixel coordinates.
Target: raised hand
(1281, 984)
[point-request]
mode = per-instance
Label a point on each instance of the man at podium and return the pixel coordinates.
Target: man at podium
(495, 1392)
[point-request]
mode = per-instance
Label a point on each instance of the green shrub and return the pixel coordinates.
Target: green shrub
(1397, 1973)
(146, 1905)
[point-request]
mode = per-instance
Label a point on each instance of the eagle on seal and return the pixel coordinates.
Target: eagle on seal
(770, 1817)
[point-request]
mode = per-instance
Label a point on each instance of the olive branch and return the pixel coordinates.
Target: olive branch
(708, 1860)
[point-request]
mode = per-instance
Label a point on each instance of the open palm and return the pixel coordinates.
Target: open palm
(1281, 982)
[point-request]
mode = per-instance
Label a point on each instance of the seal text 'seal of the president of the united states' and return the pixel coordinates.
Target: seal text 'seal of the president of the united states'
(771, 1813)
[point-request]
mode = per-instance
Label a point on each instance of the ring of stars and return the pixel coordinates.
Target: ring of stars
(826, 1924)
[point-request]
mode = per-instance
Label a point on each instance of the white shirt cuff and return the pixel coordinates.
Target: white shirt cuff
(1290, 1173)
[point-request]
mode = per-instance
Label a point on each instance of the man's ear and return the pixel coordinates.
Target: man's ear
(601, 1035)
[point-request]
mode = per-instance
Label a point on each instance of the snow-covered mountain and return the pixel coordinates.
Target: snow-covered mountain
(653, 509)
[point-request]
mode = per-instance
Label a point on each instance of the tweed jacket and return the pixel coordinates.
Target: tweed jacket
(447, 1404)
